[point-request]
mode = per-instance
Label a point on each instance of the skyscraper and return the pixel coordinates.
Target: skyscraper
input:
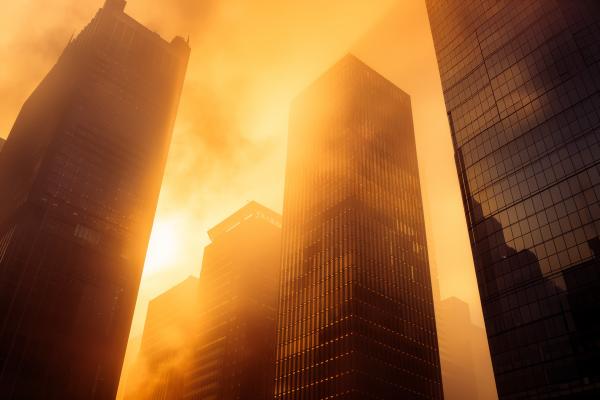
(356, 316)
(521, 81)
(466, 369)
(215, 338)
(233, 355)
(171, 324)
(80, 175)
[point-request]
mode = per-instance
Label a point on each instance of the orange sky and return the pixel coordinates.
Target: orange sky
(249, 59)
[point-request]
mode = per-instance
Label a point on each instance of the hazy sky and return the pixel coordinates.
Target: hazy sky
(249, 59)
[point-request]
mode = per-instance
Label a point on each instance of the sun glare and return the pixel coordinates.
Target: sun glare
(163, 247)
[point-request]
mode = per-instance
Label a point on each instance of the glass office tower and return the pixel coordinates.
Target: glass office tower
(521, 81)
(171, 322)
(214, 338)
(233, 346)
(80, 176)
(466, 367)
(356, 317)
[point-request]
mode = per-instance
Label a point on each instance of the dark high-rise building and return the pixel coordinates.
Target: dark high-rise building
(171, 322)
(233, 356)
(79, 180)
(521, 81)
(458, 372)
(356, 317)
(215, 338)
(466, 368)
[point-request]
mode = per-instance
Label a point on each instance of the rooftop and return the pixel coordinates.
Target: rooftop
(250, 210)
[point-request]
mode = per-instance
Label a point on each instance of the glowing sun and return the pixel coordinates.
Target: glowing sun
(163, 247)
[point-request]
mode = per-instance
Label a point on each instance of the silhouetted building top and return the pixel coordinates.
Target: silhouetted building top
(234, 352)
(118, 5)
(80, 176)
(2, 141)
(169, 316)
(458, 369)
(356, 317)
(172, 318)
(215, 338)
(521, 81)
(466, 368)
(252, 210)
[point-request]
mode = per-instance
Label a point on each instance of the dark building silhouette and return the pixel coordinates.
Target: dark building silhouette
(214, 338)
(466, 369)
(171, 323)
(234, 350)
(79, 180)
(484, 373)
(583, 296)
(521, 81)
(458, 372)
(2, 141)
(130, 361)
(356, 317)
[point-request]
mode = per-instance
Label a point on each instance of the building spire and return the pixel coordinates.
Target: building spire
(115, 4)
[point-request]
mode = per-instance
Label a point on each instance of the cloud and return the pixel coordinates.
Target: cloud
(249, 60)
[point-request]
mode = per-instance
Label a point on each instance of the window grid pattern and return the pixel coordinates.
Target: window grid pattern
(80, 177)
(521, 82)
(356, 317)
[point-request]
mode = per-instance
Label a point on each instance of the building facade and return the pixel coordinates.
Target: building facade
(233, 349)
(356, 316)
(466, 368)
(214, 338)
(521, 82)
(172, 320)
(80, 176)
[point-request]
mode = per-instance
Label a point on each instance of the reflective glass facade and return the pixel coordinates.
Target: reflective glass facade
(521, 81)
(80, 176)
(356, 317)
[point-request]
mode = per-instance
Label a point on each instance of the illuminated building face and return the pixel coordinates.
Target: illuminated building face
(356, 318)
